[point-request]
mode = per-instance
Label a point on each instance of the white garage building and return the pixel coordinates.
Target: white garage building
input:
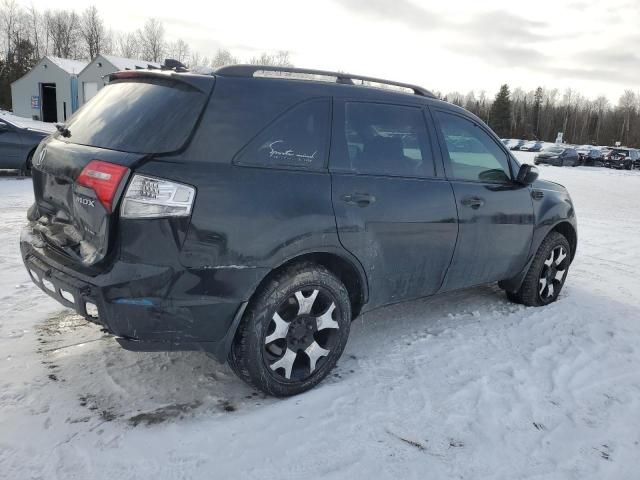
(49, 92)
(91, 78)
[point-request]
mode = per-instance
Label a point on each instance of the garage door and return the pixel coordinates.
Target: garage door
(89, 90)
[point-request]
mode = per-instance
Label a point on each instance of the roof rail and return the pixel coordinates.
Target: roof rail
(341, 77)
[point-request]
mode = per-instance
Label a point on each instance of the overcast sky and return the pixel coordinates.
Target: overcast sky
(591, 45)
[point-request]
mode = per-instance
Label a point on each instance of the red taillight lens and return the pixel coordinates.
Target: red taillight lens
(104, 179)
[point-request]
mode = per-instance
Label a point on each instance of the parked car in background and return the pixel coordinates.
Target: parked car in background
(557, 155)
(592, 157)
(533, 146)
(516, 144)
(246, 233)
(583, 150)
(622, 158)
(19, 138)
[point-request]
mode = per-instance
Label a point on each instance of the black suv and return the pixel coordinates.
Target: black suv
(255, 212)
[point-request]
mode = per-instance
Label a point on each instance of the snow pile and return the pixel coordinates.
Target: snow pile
(465, 385)
(122, 63)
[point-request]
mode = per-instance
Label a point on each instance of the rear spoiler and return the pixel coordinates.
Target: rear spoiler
(204, 83)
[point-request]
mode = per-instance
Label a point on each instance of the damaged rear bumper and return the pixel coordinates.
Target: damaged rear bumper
(148, 307)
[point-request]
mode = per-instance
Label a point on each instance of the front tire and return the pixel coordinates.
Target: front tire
(548, 272)
(293, 332)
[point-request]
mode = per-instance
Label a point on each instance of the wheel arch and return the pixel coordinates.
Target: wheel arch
(347, 269)
(28, 160)
(566, 229)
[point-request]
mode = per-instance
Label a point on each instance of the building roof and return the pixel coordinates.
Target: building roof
(128, 63)
(68, 65)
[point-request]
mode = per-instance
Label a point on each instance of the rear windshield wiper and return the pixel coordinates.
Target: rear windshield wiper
(64, 131)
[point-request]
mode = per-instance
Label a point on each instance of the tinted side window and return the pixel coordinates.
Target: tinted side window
(473, 154)
(297, 138)
(387, 140)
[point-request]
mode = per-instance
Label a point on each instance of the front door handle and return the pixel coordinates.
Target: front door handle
(473, 202)
(359, 199)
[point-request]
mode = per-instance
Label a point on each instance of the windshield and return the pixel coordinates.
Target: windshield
(140, 116)
(554, 149)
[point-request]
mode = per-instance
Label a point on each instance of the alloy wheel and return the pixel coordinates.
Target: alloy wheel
(553, 274)
(302, 333)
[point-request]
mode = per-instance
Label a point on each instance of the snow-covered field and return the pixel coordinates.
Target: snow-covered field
(464, 385)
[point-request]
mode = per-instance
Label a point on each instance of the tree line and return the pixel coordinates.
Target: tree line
(28, 34)
(542, 113)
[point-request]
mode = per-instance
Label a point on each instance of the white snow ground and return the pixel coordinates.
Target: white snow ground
(464, 385)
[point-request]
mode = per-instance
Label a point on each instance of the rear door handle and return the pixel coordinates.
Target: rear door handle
(359, 199)
(473, 202)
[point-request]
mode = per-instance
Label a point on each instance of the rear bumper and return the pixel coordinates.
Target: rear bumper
(148, 307)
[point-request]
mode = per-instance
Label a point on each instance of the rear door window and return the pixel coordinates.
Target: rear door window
(296, 139)
(138, 115)
(386, 139)
(473, 154)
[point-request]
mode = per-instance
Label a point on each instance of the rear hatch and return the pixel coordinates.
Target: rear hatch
(80, 173)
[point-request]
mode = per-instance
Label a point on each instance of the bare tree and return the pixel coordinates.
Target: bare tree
(92, 31)
(278, 59)
(37, 34)
(8, 19)
(128, 45)
(152, 43)
(179, 50)
(627, 105)
(223, 57)
(64, 29)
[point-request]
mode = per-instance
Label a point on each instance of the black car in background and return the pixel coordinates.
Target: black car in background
(558, 155)
(593, 157)
(19, 138)
(622, 158)
(255, 217)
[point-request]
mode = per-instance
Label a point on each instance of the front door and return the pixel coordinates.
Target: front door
(393, 212)
(495, 213)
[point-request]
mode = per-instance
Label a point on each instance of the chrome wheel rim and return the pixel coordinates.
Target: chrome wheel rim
(554, 272)
(301, 334)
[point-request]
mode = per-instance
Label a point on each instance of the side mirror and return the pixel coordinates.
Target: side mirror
(527, 174)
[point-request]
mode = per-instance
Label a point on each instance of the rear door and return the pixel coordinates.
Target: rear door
(393, 211)
(495, 213)
(79, 176)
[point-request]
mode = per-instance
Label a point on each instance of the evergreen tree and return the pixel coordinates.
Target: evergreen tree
(537, 105)
(500, 119)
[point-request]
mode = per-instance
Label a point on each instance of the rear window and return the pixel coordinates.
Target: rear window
(141, 116)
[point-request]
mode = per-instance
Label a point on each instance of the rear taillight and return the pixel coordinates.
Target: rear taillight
(104, 179)
(150, 197)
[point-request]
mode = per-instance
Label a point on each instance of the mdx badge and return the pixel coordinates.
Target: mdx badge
(85, 201)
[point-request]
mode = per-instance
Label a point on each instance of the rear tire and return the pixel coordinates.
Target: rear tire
(293, 332)
(26, 170)
(548, 272)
